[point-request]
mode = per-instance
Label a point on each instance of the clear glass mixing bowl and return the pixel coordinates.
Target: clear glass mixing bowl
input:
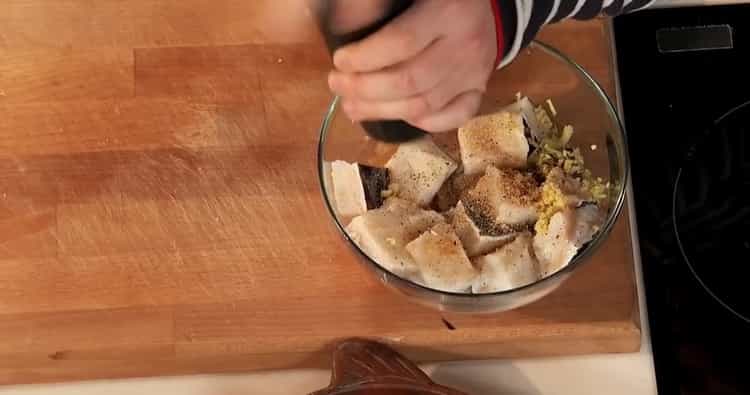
(540, 72)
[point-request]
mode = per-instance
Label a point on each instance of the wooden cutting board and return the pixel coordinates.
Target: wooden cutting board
(160, 212)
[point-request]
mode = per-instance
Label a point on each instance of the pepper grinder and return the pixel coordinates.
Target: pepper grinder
(328, 13)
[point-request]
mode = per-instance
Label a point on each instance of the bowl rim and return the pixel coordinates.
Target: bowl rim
(582, 255)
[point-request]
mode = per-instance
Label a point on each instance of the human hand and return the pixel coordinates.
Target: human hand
(429, 66)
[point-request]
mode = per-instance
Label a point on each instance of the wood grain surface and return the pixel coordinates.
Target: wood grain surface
(160, 211)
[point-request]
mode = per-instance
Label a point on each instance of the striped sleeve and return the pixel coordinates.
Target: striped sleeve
(522, 19)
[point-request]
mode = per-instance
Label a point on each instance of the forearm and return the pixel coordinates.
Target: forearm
(521, 20)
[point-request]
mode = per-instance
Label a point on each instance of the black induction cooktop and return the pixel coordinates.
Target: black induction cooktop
(685, 85)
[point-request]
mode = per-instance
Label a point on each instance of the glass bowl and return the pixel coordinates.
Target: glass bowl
(539, 72)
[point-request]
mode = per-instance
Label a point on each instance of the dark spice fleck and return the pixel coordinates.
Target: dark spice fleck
(448, 324)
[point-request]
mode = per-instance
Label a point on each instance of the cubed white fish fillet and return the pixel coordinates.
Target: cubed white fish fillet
(452, 189)
(503, 201)
(357, 187)
(418, 169)
(383, 234)
(328, 183)
(510, 266)
(348, 191)
(474, 242)
(496, 139)
(525, 107)
(441, 259)
(567, 232)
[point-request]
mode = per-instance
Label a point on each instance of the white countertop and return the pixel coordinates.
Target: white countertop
(626, 374)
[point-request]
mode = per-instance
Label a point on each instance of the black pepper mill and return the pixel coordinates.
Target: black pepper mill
(392, 131)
